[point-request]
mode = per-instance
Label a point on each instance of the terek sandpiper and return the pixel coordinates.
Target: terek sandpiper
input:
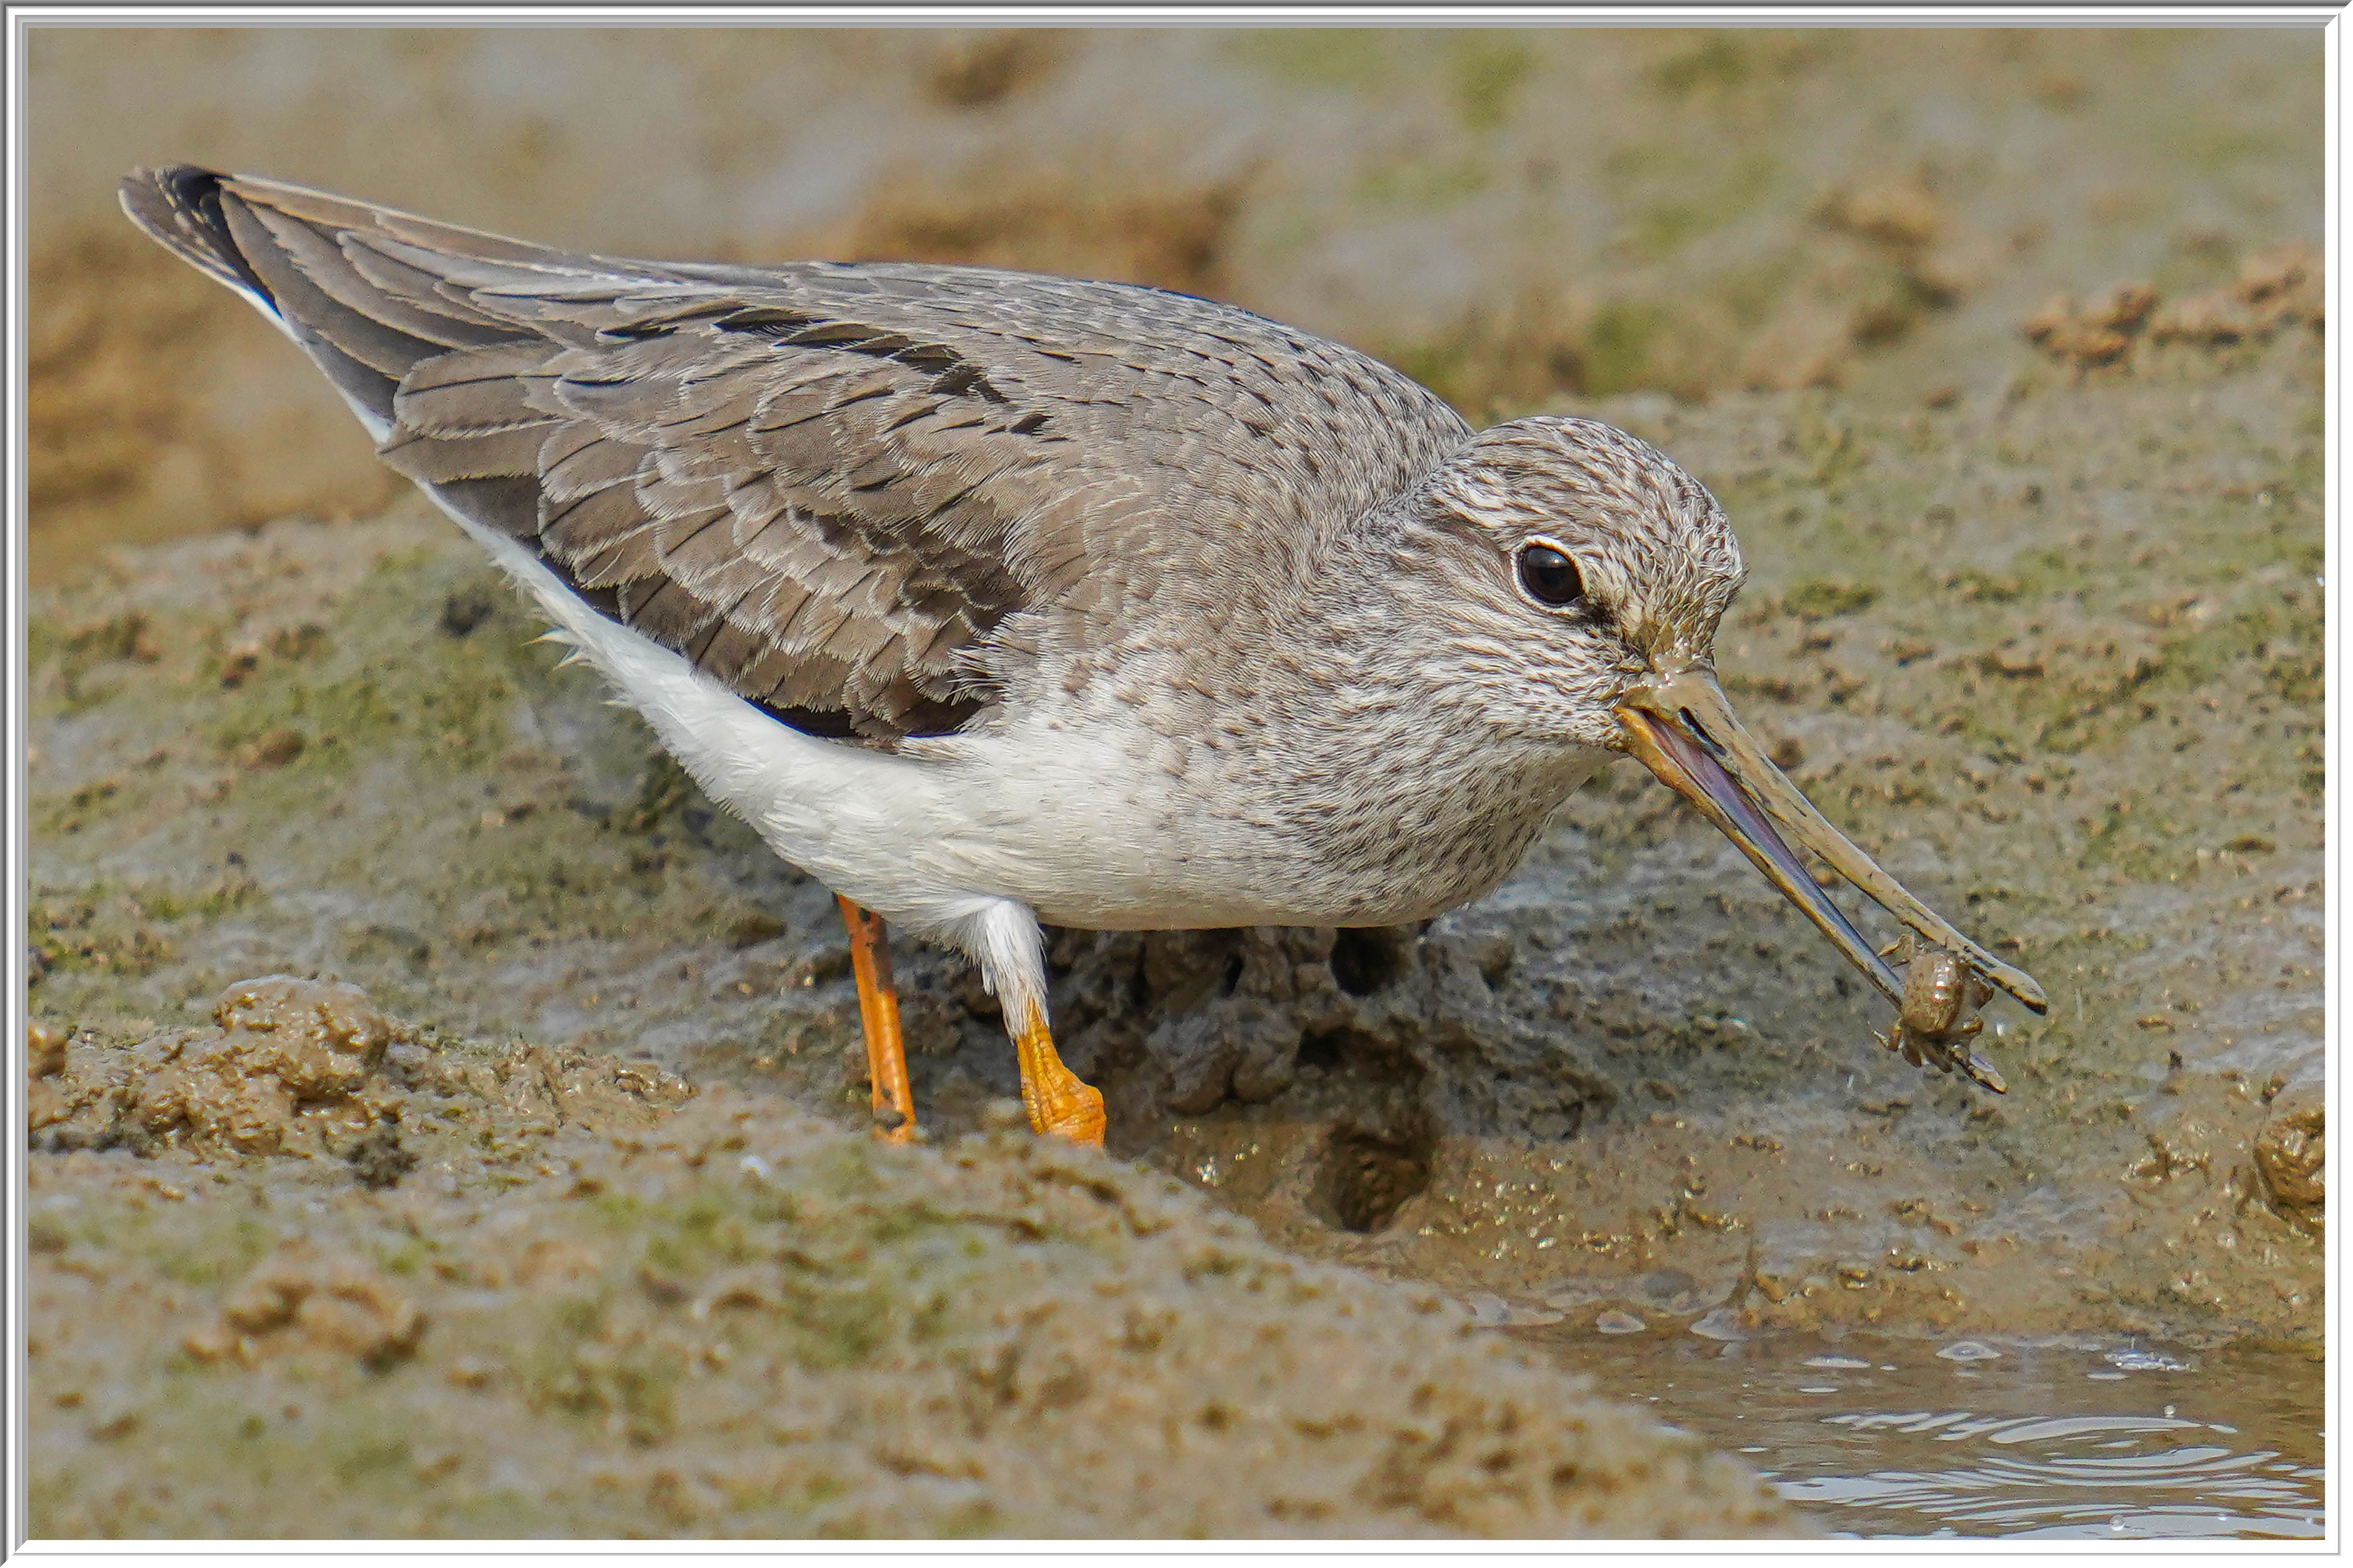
(991, 598)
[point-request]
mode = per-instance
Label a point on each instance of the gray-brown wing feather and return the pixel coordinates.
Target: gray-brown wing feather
(835, 487)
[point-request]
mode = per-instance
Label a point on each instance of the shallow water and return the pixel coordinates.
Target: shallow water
(1887, 1437)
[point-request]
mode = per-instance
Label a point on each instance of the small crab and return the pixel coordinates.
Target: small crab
(1942, 994)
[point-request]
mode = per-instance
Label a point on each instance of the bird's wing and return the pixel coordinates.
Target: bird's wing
(827, 485)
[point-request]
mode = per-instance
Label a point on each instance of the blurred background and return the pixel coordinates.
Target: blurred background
(1523, 219)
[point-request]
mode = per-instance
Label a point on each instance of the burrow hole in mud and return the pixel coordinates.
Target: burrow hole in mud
(1365, 1056)
(1367, 961)
(1366, 1175)
(1320, 1050)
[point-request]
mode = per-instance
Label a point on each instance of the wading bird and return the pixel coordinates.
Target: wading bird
(991, 598)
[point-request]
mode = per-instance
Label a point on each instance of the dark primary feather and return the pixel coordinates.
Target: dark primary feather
(834, 487)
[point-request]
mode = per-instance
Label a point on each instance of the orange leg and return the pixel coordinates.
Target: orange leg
(1058, 1102)
(878, 1007)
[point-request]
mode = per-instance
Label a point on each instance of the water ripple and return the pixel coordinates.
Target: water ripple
(2040, 1443)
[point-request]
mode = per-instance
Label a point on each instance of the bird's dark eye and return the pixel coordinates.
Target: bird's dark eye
(1549, 576)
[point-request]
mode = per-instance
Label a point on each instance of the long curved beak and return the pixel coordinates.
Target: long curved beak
(1682, 729)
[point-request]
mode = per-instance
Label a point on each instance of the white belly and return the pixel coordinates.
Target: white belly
(922, 838)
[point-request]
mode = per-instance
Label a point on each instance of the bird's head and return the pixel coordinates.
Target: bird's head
(1584, 574)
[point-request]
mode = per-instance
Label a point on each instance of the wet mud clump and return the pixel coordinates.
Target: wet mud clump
(343, 1304)
(2291, 1156)
(1199, 1018)
(293, 1062)
(2277, 288)
(291, 1066)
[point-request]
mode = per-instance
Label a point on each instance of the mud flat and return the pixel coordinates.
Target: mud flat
(2062, 678)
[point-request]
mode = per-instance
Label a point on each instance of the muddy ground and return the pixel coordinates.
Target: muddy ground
(572, 1198)
(364, 1281)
